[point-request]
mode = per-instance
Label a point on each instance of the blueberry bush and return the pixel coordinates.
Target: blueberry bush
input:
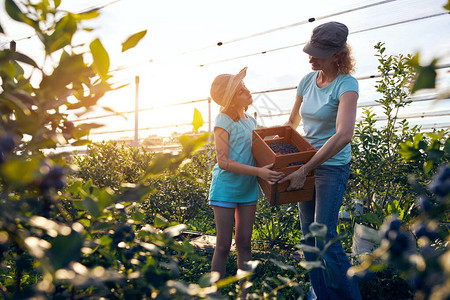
(62, 237)
(380, 175)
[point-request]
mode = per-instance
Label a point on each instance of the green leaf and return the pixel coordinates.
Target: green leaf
(447, 6)
(100, 226)
(191, 144)
(101, 58)
(62, 35)
(81, 143)
(426, 78)
(209, 279)
(318, 230)
(231, 279)
(92, 206)
(197, 120)
(20, 171)
(16, 105)
(283, 266)
(414, 61)
(174, 230)
(160, 221)
(65, 249)
(138, 216)
(8, 55)
(447, 147)
(75, 187)
(105, 198)
(307, 248)
(133, 40)
(92, 14)
(70, 69)
(105, 240)
(79, 133)
(14, 11)
(311, 264)
(89, 126)
(160, 163)
(428, 166)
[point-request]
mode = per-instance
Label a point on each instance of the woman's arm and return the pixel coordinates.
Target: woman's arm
(294, 117)
(221, 137)
(345, 124)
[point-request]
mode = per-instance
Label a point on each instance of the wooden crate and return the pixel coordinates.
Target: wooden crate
(264, 155)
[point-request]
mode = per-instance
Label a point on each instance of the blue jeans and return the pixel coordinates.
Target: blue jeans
(331, 282)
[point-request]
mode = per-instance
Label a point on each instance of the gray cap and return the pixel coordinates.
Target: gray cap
(326, 40)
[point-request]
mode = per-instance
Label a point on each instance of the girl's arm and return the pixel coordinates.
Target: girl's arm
(221, 137)
(345, 124)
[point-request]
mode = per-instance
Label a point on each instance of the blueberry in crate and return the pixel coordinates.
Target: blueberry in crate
(285, 148)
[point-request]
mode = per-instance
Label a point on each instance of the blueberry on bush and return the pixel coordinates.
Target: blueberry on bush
(425, 204)
(128, 254)
(421, 230)
(391, 225)
(53, 179)
(124, 232)
(398, 241)
(440, 185)
(7, 145)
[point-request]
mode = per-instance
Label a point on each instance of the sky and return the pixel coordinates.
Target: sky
(179, 57)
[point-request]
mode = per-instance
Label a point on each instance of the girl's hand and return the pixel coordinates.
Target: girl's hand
(271, 176)
(297, 179)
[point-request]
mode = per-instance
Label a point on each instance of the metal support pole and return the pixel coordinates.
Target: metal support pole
(209, 115)
(136, 114)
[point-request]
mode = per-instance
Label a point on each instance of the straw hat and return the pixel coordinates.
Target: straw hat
(224, 86)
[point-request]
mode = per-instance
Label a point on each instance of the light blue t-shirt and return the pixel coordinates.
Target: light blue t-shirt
(228, 186)
(319, 110)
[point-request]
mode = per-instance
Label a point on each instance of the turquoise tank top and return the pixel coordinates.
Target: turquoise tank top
(319, 110)
(228, 186)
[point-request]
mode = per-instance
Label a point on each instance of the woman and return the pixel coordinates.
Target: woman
(234, 188)
(326, 100)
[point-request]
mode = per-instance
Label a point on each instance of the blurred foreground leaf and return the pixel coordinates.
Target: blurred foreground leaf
(133, 40)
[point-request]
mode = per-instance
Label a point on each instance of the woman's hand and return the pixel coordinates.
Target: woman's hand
(297, 179)
(271, 176)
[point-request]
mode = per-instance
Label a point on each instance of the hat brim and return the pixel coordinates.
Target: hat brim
(319, 52)
(232, 86)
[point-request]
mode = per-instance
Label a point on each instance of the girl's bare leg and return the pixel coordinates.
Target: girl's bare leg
(224, 230)
(245, 218)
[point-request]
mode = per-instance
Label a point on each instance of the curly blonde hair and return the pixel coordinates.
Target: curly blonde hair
(345, 63)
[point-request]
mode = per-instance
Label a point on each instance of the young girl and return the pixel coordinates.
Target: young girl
(234, 188)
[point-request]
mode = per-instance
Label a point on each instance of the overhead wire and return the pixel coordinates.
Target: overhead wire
(310, 20)
(444, 66)
(304, 43)
(141, 110)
